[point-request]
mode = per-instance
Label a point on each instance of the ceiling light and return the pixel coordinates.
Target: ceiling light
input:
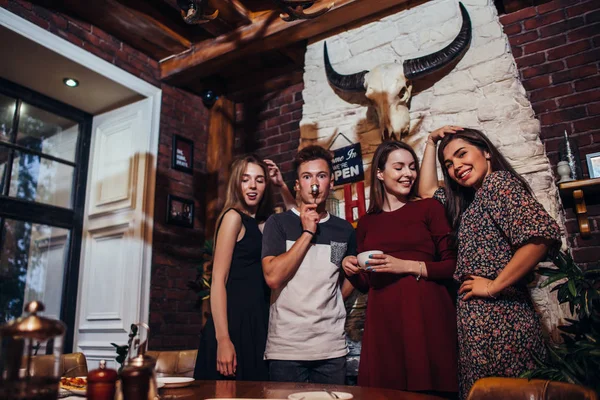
(70, 82)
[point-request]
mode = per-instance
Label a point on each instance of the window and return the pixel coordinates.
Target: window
(44, 151)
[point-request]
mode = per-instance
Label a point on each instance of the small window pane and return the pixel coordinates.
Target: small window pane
(4, 158)
(44, 181)
(33, 259)
(7, 113)
(48, 133)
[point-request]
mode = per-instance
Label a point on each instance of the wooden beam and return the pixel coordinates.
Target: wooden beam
(268, 32)
(219, 157)
(232, 11)
(295, 52)
(155, 38)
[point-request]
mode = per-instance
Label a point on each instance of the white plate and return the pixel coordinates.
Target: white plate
(322, 395)
(64, 392)
(174, 381)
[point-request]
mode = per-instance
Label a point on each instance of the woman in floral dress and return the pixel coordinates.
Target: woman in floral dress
(502, 233)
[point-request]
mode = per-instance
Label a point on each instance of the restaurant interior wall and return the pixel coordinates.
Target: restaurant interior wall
(557, 50)
(482, 90)
(174, 320)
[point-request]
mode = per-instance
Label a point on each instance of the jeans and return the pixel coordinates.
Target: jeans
(330, 371)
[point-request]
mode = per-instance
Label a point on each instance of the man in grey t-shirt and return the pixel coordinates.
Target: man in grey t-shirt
(301, 257)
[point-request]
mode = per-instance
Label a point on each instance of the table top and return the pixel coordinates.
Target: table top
(200, 390)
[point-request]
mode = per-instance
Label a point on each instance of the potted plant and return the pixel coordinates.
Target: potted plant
(201, 285)
(577, 359)
(123, 350)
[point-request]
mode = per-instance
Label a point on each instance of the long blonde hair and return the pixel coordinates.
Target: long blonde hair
(235, 198)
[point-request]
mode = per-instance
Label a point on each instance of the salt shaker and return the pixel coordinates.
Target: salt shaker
(101, 383)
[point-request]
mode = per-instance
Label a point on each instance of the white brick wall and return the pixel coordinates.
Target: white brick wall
(482, 91)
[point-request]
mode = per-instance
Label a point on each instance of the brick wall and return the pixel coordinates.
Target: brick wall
(557, 49)
(269, 125)
(174, 321)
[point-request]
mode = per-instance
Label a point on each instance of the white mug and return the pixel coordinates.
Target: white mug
(364, 257)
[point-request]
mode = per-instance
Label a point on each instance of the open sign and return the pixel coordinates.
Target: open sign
(348, 165)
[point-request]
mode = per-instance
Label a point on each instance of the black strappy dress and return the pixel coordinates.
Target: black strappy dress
(247, 313)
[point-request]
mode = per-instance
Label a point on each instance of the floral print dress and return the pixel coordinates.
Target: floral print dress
(497, 337)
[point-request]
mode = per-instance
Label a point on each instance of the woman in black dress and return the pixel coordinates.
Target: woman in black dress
(233, 340)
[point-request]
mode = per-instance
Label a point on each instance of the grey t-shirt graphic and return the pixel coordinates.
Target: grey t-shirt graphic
(307, 315)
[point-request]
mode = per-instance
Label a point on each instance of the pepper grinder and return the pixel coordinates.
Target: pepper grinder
(138, 377)
(101, 383)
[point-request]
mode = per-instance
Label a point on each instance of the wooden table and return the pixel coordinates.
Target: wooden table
(200, 390)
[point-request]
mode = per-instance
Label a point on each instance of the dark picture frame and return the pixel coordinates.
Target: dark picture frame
(182, 157)
(180, 211)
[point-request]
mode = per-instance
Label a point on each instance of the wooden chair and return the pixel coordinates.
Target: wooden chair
(535, 389)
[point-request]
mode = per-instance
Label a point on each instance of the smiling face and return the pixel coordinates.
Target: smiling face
(253, 185)
(311, 173)
(466, 164)
(399, 174)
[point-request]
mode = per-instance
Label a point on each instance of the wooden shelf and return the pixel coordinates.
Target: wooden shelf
(576, 191)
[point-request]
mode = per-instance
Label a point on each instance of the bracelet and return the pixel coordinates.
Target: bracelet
(311, 233)
(420, 270)
(430, 141)
(488, 290)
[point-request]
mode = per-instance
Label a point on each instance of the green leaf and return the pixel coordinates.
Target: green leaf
(551, 280)
(548, 271)
(572, 288)
(592, 272)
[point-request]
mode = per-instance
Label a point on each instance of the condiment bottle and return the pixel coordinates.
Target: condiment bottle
(135, 382)
(101, 383)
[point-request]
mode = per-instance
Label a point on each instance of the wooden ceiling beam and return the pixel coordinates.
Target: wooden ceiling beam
(295, 52)
(128, 22)
(267, 32)
(232, 11)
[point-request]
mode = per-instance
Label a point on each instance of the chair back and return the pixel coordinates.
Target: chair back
(535, 389)
(175, 363)
(71, 365)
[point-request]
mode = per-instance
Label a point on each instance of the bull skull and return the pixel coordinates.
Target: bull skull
(389, 86)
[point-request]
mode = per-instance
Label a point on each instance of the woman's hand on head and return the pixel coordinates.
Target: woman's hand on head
(274, 173)
(439, 133)
(350, 265)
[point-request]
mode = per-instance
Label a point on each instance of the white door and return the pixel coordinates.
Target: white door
(114, 281)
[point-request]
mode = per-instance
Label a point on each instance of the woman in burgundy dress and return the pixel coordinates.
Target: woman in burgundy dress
(409, 341)
(502, 233)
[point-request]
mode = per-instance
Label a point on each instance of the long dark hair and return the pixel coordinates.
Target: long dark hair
(458, 197)
(377, 192)
(234, 197)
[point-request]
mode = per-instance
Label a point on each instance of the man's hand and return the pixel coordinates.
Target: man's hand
(309, 217)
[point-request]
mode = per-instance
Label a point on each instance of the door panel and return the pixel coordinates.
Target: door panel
(112, 268)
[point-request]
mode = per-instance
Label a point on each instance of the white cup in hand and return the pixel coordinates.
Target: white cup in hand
(364, 257)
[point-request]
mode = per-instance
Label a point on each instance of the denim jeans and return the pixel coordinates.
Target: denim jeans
(330, 371)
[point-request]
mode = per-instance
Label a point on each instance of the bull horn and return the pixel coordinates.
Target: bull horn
(421, 66)
(350, 83)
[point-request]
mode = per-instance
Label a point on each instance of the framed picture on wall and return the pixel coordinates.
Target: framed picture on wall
(593, 163)
(180, 211)
(182, 158)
